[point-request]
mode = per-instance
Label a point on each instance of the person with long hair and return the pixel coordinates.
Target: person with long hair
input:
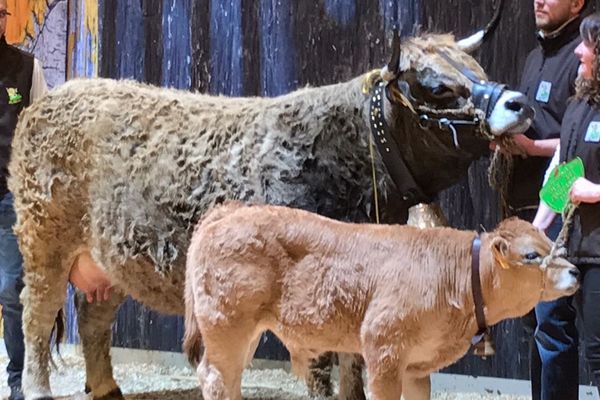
(548, 80)
(580, 137)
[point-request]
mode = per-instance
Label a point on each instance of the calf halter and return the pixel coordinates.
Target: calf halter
(482, 341)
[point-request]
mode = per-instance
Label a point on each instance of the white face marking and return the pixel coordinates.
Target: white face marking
(504, 119)
(565, 281)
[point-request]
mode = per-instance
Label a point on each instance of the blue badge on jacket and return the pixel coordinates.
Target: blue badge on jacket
(593, 132)
(543, 92)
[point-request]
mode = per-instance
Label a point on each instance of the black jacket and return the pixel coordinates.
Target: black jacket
(580, 137)
(548, 81)
(16, 70)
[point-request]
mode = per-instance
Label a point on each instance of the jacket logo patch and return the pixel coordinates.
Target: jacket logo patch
(543, 92)
(14, 97)
(593, 132)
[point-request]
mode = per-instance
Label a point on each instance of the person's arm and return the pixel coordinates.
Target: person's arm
(540, 148)
(38, 82)
(553, 164)
(545, 215)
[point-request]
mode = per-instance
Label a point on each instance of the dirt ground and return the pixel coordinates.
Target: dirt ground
(150, 381)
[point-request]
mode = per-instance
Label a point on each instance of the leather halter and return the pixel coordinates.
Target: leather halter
(485, 94)
(390, 153)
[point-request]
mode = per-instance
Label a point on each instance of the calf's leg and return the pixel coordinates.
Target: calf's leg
(223, 362)
(385, 383)
(416, 388)
(385, 365)
(95, 322)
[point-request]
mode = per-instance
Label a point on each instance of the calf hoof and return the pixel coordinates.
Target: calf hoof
(114, 394)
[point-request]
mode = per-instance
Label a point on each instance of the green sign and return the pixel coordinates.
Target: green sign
(555, 192)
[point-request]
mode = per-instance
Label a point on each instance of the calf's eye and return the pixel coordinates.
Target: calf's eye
(532, 256)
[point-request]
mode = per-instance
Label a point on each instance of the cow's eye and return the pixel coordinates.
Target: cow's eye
(442, 91)
(532, 256)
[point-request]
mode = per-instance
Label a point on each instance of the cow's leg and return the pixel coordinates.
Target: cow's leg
(318, 379)
(223, 362)
(351, 382)
(95, 321)
(42, 297)
(416, 388)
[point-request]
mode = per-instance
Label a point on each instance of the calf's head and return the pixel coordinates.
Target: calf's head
(521, 270)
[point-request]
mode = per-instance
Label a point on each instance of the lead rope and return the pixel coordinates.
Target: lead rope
(559, 246)
(375, 195)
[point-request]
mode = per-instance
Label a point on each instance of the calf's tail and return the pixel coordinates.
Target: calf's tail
(192, 339)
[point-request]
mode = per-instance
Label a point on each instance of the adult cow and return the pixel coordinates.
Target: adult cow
(121, 172)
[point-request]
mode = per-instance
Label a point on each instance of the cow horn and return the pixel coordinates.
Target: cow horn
(473, 42)
(393, 68)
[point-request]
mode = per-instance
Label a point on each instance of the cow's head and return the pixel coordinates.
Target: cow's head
(521, 270)
(433, 102)
(442, 81)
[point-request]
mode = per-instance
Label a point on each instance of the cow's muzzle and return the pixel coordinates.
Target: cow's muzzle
(485, 96)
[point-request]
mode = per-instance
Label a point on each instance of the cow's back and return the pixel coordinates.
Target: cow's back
(113, 166)
(131, 168)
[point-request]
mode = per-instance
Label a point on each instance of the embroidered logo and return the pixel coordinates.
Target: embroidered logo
(14, 97)
(593, 132)
(543, 92)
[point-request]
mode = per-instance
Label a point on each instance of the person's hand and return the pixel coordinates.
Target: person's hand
(88, 277)
(526, 144)
(522, 145)
(102, 293)
(584, 191)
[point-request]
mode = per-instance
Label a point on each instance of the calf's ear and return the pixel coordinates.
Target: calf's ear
(500, 251)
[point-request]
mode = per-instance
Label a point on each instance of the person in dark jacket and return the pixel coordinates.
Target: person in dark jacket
(21, 81)
(580, 137)
(548, 80)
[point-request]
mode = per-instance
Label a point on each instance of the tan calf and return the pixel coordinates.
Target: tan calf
(398, 295)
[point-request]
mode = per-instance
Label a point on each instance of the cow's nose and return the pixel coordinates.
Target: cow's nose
(520, 105)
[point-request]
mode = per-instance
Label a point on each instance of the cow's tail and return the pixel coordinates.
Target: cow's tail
(192, 339)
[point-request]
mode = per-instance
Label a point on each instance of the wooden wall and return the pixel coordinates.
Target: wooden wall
(269, 47)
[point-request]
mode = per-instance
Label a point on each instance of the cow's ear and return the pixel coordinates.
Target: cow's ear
(500, 251)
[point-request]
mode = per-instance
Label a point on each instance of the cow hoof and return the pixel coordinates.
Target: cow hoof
(114, 394)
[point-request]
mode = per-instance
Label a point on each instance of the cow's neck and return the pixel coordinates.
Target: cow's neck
(430, 152)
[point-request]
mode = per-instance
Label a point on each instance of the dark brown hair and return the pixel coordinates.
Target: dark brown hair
(590, 34)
